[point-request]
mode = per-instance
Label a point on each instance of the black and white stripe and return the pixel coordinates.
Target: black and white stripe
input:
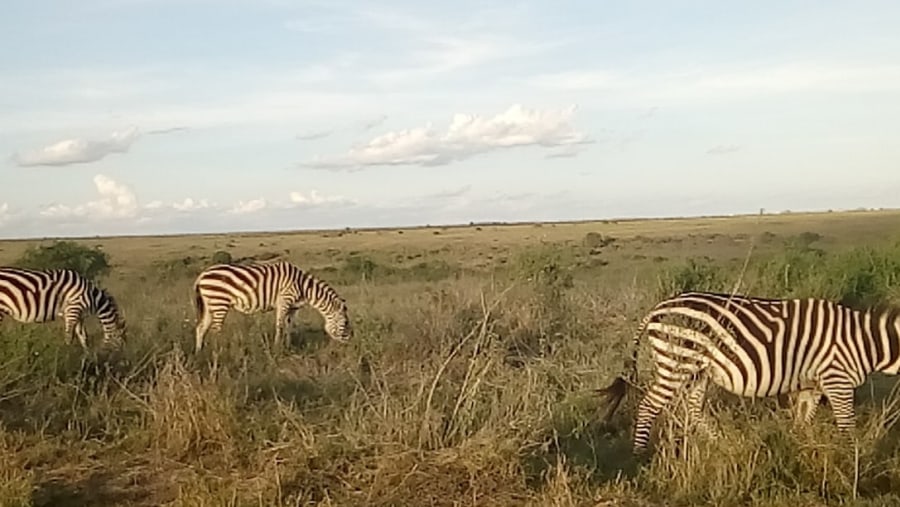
(759, 347)
(30, 296)
(262, 287)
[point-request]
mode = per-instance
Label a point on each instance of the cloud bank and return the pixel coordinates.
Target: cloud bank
(116, 201)
(118, 205)
(466, 136)
(78, 151)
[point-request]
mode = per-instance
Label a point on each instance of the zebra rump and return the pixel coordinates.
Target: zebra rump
(758, 347)
(37, 296)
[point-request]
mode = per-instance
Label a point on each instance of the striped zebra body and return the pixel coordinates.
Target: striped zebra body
(263, 287)
(37, 296)
(755, 347)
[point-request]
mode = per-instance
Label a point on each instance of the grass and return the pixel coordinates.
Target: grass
(471, 379)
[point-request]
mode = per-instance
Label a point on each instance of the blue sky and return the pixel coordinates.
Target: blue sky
(165, 116)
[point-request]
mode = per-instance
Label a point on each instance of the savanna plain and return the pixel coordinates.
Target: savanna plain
(471, 379)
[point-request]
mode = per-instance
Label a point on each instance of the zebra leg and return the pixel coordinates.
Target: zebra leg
(839, 391)
(280, 323)
(81, 334)
(70, 331)
(665, 385)
(284, 314)
(289, 321)
(695, 399)
(805, 404)
(210, 319)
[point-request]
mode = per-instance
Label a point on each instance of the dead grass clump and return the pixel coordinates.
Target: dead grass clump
(16, 483)
(190, 417)
(482, 471)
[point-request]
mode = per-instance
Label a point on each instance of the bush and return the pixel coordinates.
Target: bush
(597, 240)
(701, 275)
(221, 257)
(361, 267)
(91, 263)
(795, 272)
(859, 277)
(545, 268)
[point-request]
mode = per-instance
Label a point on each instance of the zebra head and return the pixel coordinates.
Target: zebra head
(109, 315)
(337, 324)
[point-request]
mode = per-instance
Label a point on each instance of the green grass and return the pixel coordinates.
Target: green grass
(471, 379)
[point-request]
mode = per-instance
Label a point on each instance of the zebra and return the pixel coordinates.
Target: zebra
(263, 287)
(757, 347)
(38, 296)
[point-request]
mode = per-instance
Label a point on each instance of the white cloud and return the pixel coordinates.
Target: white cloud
(118, 206)
(77, 151)
(314, 198)
(251, 206)
(116, 201)
(191, 205)
(119, 202)
(466, 136)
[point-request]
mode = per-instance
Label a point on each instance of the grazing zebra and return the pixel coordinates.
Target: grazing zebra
(759, 347)
(263, 287)
(30, 296)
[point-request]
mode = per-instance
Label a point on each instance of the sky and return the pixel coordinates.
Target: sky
(180, 116)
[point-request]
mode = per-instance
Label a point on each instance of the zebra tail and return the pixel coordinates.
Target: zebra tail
(615, 392)
(199, 304)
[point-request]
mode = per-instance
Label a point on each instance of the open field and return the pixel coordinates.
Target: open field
(471, 379)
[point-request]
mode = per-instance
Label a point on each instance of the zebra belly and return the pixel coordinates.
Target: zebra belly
(39, 316)
(248, 307)
(741, 386)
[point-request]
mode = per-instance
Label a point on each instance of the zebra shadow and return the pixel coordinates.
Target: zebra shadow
(583, 440)
(98, 488)
(305, 391)
(306, 339)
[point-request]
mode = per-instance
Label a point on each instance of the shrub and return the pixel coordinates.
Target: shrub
(362, 266)
(91, 263)
(694, 275)
(597, 240)
(221, 257)
(796, 271)
(545, 268)
(859, 277)
(805, 239)
(176, 269)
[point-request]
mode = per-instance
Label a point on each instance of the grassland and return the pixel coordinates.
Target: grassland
(471, 379)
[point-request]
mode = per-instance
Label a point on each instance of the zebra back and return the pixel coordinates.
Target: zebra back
(38, 295)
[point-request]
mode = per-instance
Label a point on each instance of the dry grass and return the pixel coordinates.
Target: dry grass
(471, 381)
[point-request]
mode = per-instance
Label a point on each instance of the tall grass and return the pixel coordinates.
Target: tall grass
(460, 388)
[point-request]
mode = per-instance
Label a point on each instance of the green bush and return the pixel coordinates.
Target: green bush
(597, 240)
(797, 271)
(696, 274)
(176, 269)
(91, 263)
(361, 267)
(221, 257)
(544, 267)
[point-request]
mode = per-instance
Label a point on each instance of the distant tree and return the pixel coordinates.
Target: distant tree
(91, 263)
